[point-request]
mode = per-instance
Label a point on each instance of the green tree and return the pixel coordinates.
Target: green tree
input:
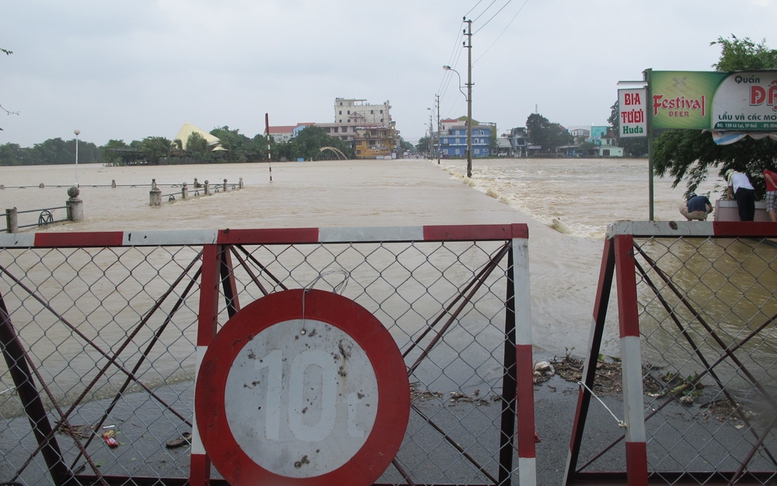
(690, 154)
(12, 154)
(233, 143)
(308, 143)
(155, 148)
(111, 151)
(406, 146)
(422, 146)
(546, 134)
(198, 147)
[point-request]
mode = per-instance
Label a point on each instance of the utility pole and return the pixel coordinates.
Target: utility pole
(431, 134)
(468, 46)
(439, 128)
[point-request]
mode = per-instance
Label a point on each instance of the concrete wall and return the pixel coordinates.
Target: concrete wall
(727, 210)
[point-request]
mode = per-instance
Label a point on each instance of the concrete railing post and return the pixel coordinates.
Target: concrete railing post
(240, 185)
(155, 195)
(207, 188)
(225, 185)
(75, 206)
(11, 220)
(184, 191)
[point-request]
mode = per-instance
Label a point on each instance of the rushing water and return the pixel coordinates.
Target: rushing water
(567, 203)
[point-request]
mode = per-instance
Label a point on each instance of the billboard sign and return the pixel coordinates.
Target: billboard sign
(741, 101)
(632, 105)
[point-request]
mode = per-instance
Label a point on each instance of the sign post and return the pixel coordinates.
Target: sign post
(633, 122)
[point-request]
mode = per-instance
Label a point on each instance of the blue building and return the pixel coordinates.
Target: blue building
(453, 138)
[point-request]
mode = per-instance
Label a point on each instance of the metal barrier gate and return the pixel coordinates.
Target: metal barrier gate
(696, 306)
(102, 335)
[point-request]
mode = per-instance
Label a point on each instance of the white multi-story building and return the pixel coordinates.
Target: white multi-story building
(360, 113)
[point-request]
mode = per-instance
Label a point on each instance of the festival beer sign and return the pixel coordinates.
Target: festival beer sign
(746, 101)
(632, 104)
(683, 99)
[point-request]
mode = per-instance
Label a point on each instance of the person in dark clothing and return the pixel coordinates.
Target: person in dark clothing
(696, 207)
(743, 191)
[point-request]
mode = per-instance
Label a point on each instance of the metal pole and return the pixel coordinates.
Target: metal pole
(468, 33)
(649, 91)
(269, 152)
(439, 128)
(77, 132)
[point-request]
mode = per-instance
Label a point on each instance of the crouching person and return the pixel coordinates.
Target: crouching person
(696, 207)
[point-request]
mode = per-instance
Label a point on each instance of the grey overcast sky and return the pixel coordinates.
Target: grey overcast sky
(129, 69)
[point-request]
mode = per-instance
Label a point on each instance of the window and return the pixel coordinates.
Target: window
(381, 112)
(341, 112)
(372, 112)
(458, 151)
(349, 112)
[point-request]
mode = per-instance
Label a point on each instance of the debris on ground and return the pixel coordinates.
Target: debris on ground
(184, 439)
(76, 431)
(608, 373)
(543, 371)
(455, 396)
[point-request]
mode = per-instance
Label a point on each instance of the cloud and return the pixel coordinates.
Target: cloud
(130, 69)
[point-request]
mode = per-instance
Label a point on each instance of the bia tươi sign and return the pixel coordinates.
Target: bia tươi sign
(633, 119)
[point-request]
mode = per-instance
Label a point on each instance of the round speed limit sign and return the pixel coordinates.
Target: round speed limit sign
(302, 387)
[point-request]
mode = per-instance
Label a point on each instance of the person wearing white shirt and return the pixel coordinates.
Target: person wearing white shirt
(743, 191)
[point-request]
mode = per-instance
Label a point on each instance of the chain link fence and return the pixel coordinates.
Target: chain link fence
(100, 348)
(706, 324)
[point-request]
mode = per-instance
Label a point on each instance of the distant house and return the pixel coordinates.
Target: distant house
(517, 138)
(608, 146)
(453, 138)
(504, 149)
(282, 133)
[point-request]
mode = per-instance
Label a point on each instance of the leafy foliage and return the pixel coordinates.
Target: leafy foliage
(308, 143)
(689, 155)
(51, 152)
(546, 134)
(423, 144)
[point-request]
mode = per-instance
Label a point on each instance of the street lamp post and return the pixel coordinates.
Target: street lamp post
(77, 132)
(469, 119)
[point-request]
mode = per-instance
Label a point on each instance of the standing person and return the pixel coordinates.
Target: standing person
(743, 192)
(696, 207)
(770, 176)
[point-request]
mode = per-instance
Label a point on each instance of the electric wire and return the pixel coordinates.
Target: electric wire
(501, 33)
(486, 10)
(493, 16)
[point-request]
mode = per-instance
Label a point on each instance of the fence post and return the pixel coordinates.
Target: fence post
(207, 188)
(225, 185)
(11, 221)
(184, 191)
(75, 206)
(155, 195)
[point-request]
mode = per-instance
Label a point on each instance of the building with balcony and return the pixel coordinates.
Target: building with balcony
(453, 138)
